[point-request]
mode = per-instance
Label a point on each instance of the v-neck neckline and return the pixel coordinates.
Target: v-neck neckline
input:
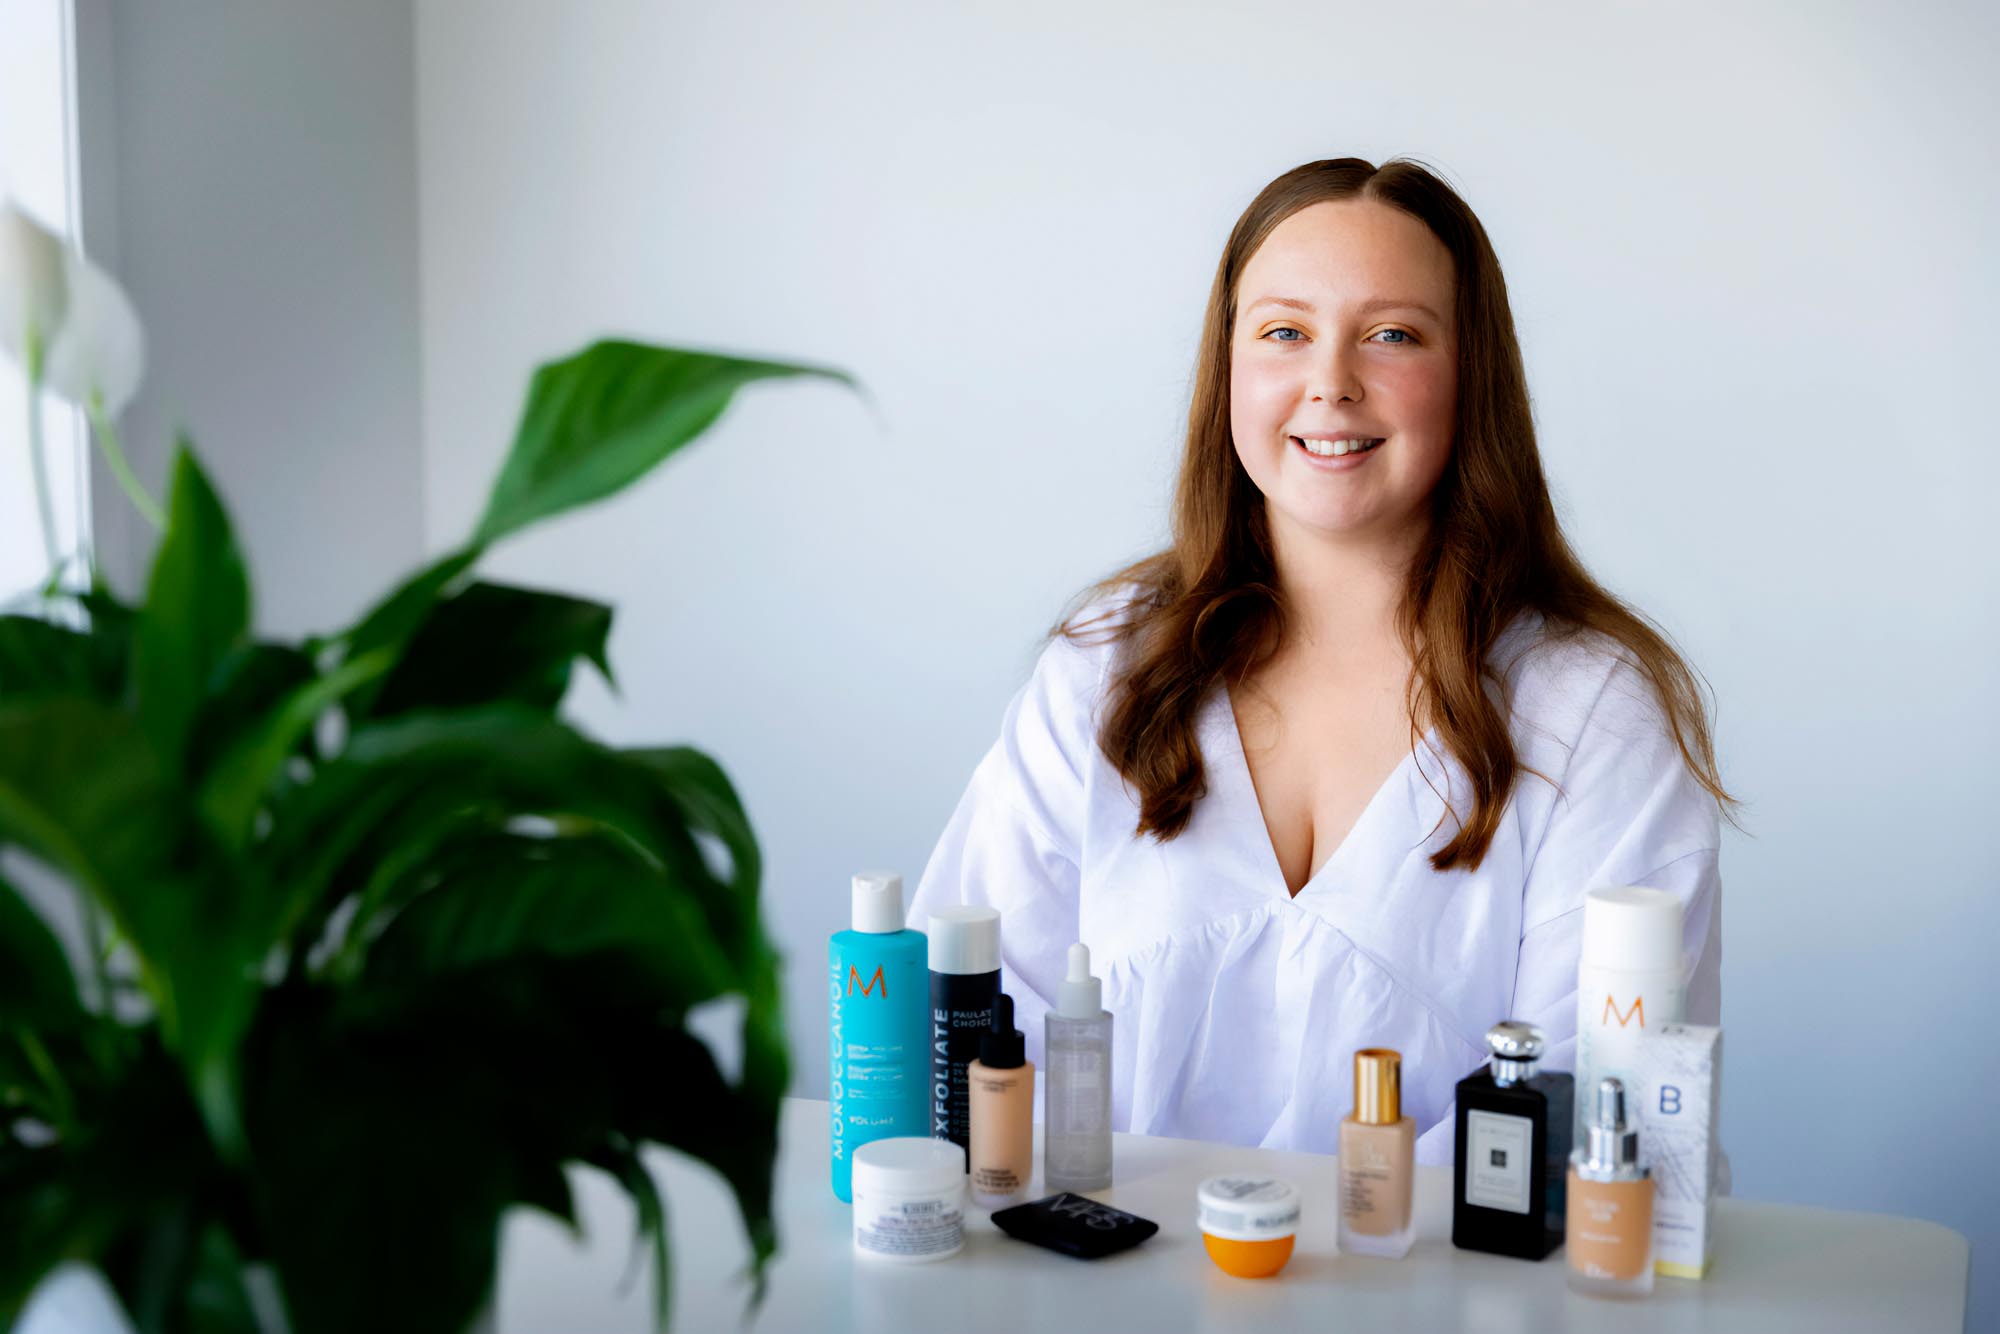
(1239, 766)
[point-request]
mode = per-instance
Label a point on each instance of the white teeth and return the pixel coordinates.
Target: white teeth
(1335, 448)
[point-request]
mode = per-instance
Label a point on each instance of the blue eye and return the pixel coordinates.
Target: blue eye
(1403, 336)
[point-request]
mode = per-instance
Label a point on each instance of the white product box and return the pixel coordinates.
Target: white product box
(1679, 1085)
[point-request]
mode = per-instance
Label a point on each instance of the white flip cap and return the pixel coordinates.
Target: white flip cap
(1080, 996)
(878, 902)
(965, 938)
(1632, 930)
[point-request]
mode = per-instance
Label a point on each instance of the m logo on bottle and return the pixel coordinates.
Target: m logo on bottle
(1624, 1020)
(868, 987)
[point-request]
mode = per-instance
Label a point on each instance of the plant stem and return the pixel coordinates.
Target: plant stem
(114, 454)
(38, 465)
(65, 1106)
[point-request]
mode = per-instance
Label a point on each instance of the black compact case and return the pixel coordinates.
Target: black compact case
(1075, 1225)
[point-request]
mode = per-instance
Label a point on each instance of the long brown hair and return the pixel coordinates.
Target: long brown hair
(1208, 608)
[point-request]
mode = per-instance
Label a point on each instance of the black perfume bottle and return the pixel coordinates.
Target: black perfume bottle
(1509, 1175)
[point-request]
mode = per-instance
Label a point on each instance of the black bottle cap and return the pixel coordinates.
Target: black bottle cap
(1001, 1046)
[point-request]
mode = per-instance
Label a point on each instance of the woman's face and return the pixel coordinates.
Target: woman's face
(1368, 350)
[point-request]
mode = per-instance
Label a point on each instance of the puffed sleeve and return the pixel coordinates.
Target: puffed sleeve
(1015, 839)
(1629, 813)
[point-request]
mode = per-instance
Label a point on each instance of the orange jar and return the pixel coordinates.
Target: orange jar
(1248, 1223)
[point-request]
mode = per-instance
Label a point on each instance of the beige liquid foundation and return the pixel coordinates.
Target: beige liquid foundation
(1000, 1089)
(1377, 1161)
(1610, 1204)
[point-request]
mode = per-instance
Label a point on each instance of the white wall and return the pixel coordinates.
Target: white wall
(37, 173)
(258, 166)
(1749, 259)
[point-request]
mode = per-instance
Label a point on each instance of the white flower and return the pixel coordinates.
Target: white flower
(53, 298)
(33, 288)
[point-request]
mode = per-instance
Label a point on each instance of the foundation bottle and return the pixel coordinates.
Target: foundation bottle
(1000, 1089)
(1377, 1161)
(1610, 1204)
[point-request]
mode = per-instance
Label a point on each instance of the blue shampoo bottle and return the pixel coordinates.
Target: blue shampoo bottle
(879, 1013)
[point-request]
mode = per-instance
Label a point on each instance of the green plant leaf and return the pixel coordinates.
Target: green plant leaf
(83, 788)
(494, 644)
(394, 1122)
(197, 609)
(214, 1297)
(40, 658)
(669, 1091)
(600, 420)
(405, 778)
(709, 803)
(37, 988)
(105, 1193)
(559, 898)
(622, 1161)
(383, 1162)
(391, 622)
(250, 681)
(241, 778)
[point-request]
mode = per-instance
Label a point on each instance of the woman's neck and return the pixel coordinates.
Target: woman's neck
(1344, 594)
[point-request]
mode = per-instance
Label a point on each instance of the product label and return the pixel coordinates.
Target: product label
(1499, 1153)
(916, 1227)
(961, 1012)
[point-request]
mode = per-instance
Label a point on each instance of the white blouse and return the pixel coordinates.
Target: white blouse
(1237, 1007)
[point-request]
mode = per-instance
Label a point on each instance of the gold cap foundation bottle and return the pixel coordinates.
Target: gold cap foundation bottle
(1000, 1088)
(1378, 1147)
(1610, 1203)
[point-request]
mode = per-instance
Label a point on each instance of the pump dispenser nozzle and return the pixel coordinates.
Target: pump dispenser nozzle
(1002, 1047)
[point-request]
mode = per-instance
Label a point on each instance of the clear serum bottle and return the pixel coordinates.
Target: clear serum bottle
(1512, 1142)
(1610, 1204)
(1378, 1146)
(1001, 1091)
(1076, 1082)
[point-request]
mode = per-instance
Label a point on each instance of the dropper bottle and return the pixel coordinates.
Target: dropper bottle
(1076, 1129)
(1610, 1204)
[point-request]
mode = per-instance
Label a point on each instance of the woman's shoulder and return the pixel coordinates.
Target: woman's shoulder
(1085, 643)
(1562, 679)
(1055, 714)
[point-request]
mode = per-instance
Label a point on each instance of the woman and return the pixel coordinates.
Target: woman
(1336, 768)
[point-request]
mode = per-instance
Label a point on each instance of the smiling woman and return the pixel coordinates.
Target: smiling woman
(1335, 768)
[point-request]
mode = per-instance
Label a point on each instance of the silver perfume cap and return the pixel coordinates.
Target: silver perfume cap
(1516, 1047)
(1611, 1150)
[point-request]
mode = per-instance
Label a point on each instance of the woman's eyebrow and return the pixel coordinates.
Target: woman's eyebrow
(1364, 308)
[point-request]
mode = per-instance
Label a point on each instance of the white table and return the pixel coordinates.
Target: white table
(1777, 1267)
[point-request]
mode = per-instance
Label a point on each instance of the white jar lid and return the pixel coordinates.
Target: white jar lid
(1247, 1208)
(1632, 930)
(965, 939)
(909, 1165)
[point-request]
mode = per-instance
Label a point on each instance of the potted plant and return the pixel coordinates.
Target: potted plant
(374, 944)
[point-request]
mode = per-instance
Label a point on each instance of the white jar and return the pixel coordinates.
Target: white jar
(1628, 983)
(909, 1199)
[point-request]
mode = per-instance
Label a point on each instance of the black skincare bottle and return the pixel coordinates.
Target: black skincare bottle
(965, 984)
(1508, 1176)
